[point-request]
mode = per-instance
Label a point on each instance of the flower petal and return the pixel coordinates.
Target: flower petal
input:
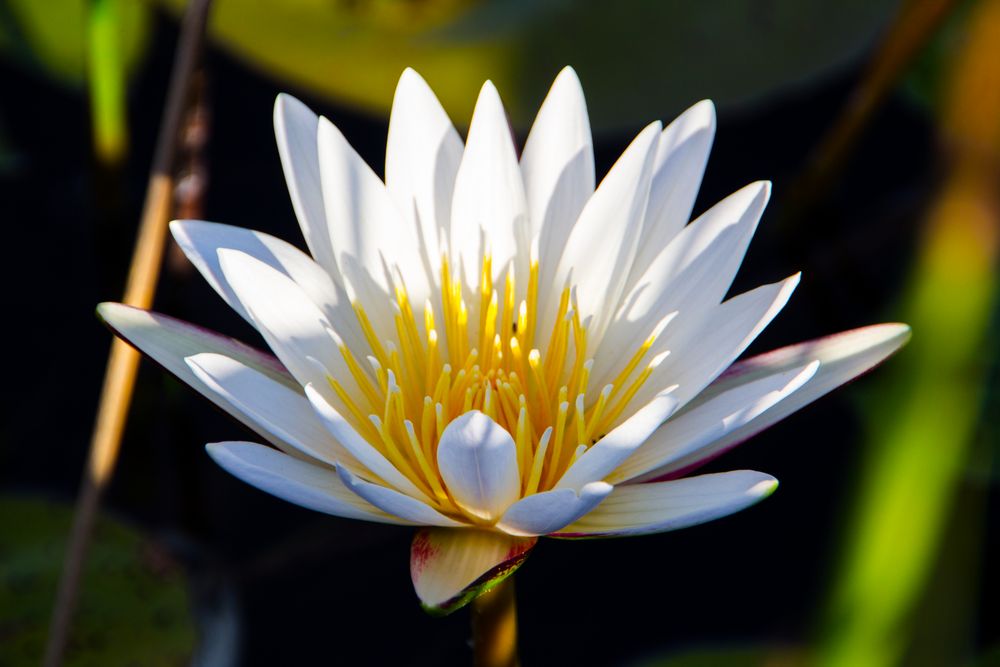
(360, 449)
(691, 275)
(293, 326)
(558, 168)
(395, 503)
(422, 155)
(640, 509)
(691, 430)
(451, 567)
(603, 241)
(489, 209)
(295, 128)
(842, 357)
(547, 512)
(369, 236)
(680, 163)
(305, 484)
(477, 459)
(170, 341)
(277, 409)
(201, 242)
(607, 454)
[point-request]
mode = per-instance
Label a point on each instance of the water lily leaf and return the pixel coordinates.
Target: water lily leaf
(133, 609)
(638, 60)
(51, 36)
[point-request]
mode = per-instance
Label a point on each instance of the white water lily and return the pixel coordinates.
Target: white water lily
(493, 348)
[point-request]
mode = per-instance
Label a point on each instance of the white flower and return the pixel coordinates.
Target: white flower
(490, 347)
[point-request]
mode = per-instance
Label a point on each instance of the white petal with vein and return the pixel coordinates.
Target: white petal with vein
(395, 503)
(547, 512)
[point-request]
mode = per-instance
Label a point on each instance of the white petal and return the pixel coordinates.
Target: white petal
(690, 275)
(477, 459)
(680, 163)
(395, 503)
(310, 486)
(547, 512)
(450, 567)
(290, 322)
(699, 354)
(422, 155)
(489, 209)
(842, 358)
(692, 430)
(369, 236)
(607, 454)
(360, 449)
(558, 168)
(639, 509)
(277, 409)
(169, 341)
(603, 241)
(201, 242)
(295, 129)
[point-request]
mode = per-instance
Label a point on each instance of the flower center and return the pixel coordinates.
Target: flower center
(496, 365)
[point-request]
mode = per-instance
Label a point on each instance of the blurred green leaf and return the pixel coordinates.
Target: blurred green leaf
(134, 606)
(51, 36)
(637, 59)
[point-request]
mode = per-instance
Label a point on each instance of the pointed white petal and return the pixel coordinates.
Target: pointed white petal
(547, 512)
(489, 209)
(603, 241)
(395, 503)
(369, 236)
(422, 155)
(842, 357)
(305, 484)
(201, 242)
(478, 462)
(277, 409)
(690, 275)
(360, 449)
(680, 163)
(558, 168)
(295, 129)
(289, 321)
(692, 430)
(608, 453)
(640, 509)
(169, 341)
(451, 567)
(699, 354)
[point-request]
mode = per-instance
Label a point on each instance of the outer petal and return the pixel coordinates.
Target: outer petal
(311, 486)
(170, 341)
(451, 567)
(680, 163)
(478, 462)
(360, 449)
(691, 274)
(422, 155)
(608, 453)
(395, 503)
(547, 512)
(295, 129)
(201, 242)
(842, 357)
(489, 209)
(641, 509)
(695, 429)
(558, 168)
(276, 408)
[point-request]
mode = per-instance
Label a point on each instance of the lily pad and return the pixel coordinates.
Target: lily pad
(134, 607)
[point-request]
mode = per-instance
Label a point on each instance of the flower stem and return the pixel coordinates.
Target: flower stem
(494, 627)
